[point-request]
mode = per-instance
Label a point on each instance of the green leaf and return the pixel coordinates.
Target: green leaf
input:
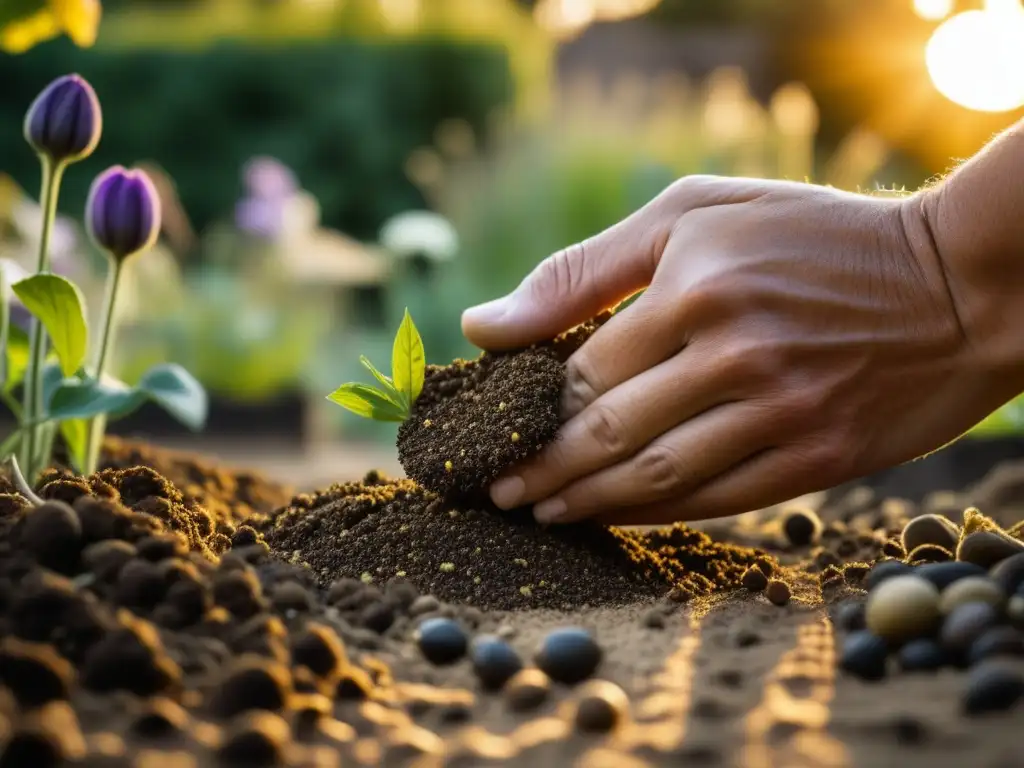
(59, 306)
(408, 363)
(178, 392)
(87, 398)
(16, 355)
(76, 437)
(5, 324)
(366, 401)
(388, 386)
(53, 377)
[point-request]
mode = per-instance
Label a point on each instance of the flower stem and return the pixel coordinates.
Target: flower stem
(23, 486)
(98, 424)
(32, 398)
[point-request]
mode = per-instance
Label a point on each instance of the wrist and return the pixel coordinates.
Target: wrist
(970, 245)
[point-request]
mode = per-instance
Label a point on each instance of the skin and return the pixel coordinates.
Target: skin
(791, 337)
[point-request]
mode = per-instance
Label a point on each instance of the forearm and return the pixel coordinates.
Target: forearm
(974, 219)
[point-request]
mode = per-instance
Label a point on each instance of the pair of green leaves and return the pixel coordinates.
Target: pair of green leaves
(393, 400)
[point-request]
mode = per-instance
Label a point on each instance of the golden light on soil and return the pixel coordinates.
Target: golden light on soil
(976, 58)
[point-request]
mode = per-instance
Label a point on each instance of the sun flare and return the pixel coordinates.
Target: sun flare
(976, 58)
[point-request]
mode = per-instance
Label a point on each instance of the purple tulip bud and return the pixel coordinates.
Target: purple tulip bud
(123, 212)
(64, 123)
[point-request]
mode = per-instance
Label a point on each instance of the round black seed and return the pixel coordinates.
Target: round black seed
(801, 526)
(864, 655)
(997, 641)
(377, 617)
(259, 739)
(320, 649)
(1009, 574)
(966, 624)
(569, 655)
(850, 615)
(442, 641)
(992, 687)
(494, 661)
(944, 574)
(921, 655)
(886, 569)
(33, 673)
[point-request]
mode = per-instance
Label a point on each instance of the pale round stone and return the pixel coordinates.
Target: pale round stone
(903, 607)
(930, 529)
(973, 589)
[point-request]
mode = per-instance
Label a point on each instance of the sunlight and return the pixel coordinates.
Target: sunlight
(933, 10)
(976, 58)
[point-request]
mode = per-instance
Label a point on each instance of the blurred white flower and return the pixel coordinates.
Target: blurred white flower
(420, 233)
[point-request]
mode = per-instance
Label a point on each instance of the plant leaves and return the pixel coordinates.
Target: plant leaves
(366, 401)
(388, 386)
(53, 377)
(86, 398)
(59, 306)
(408, 363)
(178, 392)
(76, 437)
(5, 324)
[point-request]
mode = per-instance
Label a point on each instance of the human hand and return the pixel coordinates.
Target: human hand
(791, 337)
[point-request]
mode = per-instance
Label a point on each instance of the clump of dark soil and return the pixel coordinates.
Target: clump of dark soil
(380, 530)
(475, 418)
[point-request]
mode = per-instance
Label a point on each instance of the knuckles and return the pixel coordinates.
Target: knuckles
(661, 469)
(605, 428)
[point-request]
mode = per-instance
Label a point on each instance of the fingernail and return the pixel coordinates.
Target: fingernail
(490, 312)
(549, 511)
(508, 492)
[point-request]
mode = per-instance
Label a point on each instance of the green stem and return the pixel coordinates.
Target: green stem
(33, 394)
(98, 425)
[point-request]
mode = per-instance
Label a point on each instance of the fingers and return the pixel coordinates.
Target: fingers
(618, 425)
(570, 286)
(770, 477)
(672, 466)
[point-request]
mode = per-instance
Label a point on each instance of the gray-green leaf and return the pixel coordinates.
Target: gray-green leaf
(408, 363)
(178, 392)
(366, 401)
(59, 306)
(87, 398)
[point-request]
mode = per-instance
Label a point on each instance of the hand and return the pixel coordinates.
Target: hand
(791, 337)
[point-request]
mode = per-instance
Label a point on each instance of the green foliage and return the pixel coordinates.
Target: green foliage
(344, 114)
(58, 304)
(394, 399)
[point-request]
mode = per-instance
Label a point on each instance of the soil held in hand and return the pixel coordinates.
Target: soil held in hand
(476, 418)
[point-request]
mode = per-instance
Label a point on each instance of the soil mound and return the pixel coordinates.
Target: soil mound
(380, 530)
(475, 418)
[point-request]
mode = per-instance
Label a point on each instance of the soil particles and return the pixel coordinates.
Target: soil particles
(164, 612)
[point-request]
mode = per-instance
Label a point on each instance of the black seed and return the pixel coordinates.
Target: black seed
(569, 655)
(494, 661)
(442, 641)
(864, 655)
(992, 687)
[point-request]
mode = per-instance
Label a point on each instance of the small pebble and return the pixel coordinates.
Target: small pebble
(930, 529)
(442, 641)
(850, 615)
(320, 650)
(494, 661)
(253, 683)
(1009, 574)
(377, 617)
(966, 624)
(34, 673)
(986, 548)
(997, 641)
(921, 655)
(569, 655)
(802, 526)
(902, 608)
(527, 690)
(777, 592)
(601, 706)
(972, 589)
(754, 579)
(864, 655)
(884, 570)
(992, 687)
(258, 739)
(355, 684)
(1015, 611)
(424, 604)
(944, 574)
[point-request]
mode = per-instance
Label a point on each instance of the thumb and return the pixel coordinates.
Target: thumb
(569, 287)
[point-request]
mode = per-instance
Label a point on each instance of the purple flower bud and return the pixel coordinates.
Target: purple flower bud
(123, 212)
(64, 123)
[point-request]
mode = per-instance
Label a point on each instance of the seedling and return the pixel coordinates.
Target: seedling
(393, 399)
(59, 391)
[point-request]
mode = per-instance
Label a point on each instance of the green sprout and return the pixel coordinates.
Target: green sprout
(393, 400)
(60, 390)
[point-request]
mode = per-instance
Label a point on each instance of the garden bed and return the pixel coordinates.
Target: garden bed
(165, 607)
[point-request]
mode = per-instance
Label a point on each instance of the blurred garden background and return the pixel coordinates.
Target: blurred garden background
(325, 164)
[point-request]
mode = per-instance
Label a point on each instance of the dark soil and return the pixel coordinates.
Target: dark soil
(476, 418)
(380, 530)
